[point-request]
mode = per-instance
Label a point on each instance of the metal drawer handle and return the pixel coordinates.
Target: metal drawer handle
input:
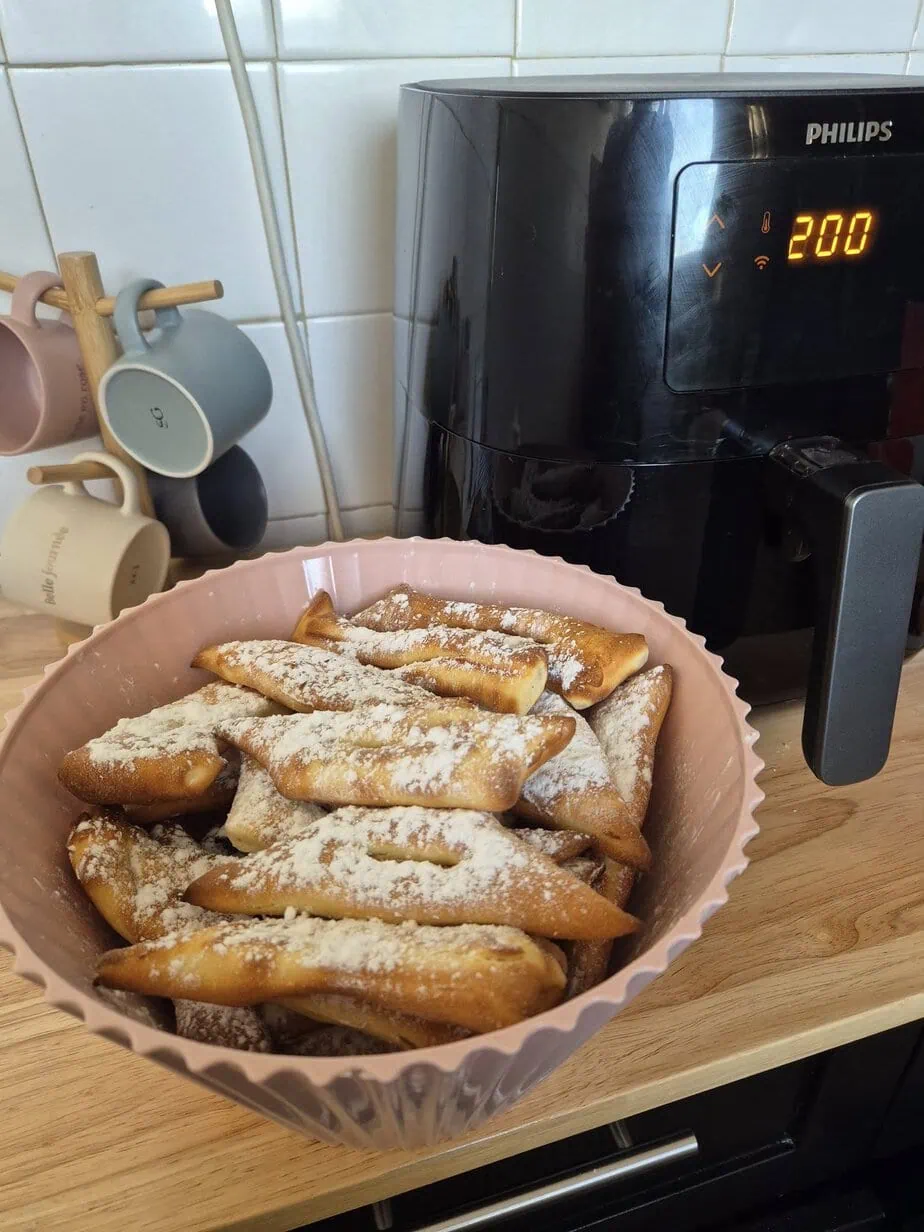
(571, 1186)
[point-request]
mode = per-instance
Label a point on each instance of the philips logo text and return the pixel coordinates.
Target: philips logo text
(848, 132)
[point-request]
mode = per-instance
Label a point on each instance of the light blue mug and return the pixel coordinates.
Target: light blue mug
(181, 400)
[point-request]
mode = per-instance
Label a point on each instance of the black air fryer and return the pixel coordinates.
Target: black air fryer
(673, 328)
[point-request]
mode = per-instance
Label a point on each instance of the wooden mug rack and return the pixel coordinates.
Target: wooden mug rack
(90, 310)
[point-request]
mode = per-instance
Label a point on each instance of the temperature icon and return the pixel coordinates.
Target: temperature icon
(765, 222)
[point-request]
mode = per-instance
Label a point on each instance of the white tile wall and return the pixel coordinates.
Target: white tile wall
(882, 62)
(798, 26)
(554, 66)
(119, 131)
(119, 31)
(148, 166)
(23, 236)
(397, 28)
(622, 27)
(340, 125)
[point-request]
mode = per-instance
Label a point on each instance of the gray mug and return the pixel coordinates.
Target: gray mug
(223, 509)
(182, 400)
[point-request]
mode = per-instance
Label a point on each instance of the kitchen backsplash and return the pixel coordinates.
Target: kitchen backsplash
(120, 132)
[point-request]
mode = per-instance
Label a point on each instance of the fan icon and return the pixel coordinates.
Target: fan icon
(761, 262)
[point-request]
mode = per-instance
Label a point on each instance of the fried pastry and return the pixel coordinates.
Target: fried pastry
(434, 866)
(575, 790)
(588, 869)
(149, 1011)
(337, 1042)
(307, 678)
(496, 670)
(558, 845)
(135, 879)
(168, 754)
(442, 756)
(232, 1026)
(216, 797)
(627, 725)
(586, 662)
(401, 1031)
(589, 961)
(259, 815)
(475, 976)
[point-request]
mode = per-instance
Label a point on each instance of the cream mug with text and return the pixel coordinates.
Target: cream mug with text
(67, 554)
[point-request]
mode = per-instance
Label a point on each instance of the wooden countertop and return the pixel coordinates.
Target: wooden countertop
(821, 943)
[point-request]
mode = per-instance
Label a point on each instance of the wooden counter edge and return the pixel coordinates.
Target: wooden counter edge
(486, 1148)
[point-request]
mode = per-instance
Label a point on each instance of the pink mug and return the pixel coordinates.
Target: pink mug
(44, 393)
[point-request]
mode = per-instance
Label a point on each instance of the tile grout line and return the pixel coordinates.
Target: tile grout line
(28, 153)
(290, 202)
(221, 61)
(914, 36)
(728, 32)
(517, 20)
(275, 22)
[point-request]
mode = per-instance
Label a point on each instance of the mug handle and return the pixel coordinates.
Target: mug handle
(27, 293)
(125, 315)
(131, 500)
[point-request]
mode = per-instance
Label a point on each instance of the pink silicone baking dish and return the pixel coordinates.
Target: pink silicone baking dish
(701, 817)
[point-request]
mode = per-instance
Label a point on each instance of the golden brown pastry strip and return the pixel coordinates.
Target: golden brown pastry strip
(627, 725)
(589, 961)
(586, 662)
(575, 790)
(475, 976)
(434, 866)
(308, 678)
(334, 1041)
(216, 797)
(401, 1031)
(134, 880)
(499, 671)
(168, 754)
(231, 1026)
(259, 815)
(558, 845)
(441, 756)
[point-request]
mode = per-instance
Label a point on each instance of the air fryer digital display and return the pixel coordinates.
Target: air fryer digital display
(790, 269)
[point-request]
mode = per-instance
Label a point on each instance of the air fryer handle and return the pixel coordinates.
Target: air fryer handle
(863, 524)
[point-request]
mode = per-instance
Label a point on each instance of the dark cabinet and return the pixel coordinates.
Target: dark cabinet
(802, 1148)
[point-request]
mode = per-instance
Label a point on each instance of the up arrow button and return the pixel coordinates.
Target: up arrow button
(717, 220)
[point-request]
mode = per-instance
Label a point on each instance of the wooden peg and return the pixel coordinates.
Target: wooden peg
(98, 346)
(168, 297)
(69, 472)
(163, 297)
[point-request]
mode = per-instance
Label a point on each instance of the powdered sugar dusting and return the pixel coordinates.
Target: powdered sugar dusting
(147, 873)
(394, 648)
(558, 635)
(228, 1025)
(556, 844)
(403, 861)
(579, 767)
(357, 946)
(183, 727)
(388, 750)
(310, 678)
(260, 815)
(621, 724)
(335, 1041)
